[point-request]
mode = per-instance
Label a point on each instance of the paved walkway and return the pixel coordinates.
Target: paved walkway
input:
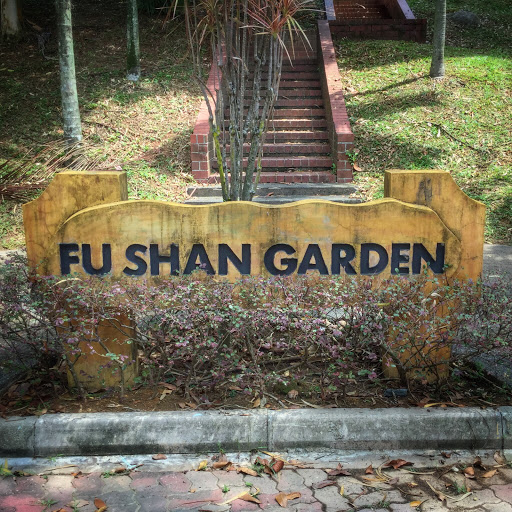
(310, 488)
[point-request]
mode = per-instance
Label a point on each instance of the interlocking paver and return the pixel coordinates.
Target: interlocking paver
(186, 491)
(265, 484)
(503, 492)
(229, 478)
(331, 498)
(499, 507)
(312, 476)
(117, 483)
(289, 481)
(202, 480)
(176, 483)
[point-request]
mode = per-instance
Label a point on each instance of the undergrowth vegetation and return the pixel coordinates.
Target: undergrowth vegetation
(258, 334)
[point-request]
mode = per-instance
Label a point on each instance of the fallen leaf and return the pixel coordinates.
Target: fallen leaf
(102, 509)
(277, 466)
(182, 405)
(59, 510)
(159, 456)
(249, 497)
(342, 490)
(263, 462)
(76, 475)
(293, 393)
(412, 484)
(416, 503)
(202, 465)
(256, 403)
(397, 463)
(499, 458)
(369, 470)
(282, 498)
(221, 464)
(490, 474)
(357, 168)
(446, 455)
(191, 405)
(99, 503)
(469, 472)
(339, 471)
(165, 392)
(324, 483)
(247, 471)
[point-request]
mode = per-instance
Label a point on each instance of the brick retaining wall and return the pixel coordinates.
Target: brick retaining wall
(340, 133)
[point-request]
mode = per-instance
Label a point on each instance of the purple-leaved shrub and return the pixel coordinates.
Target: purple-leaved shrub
(258, 333)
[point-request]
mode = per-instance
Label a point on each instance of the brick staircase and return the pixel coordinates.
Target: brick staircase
(297, 144)
(309, 132)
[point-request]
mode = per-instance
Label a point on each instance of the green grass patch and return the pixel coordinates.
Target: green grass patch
(403, 119)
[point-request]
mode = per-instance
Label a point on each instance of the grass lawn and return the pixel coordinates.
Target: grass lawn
(403, 119)
(400, 117)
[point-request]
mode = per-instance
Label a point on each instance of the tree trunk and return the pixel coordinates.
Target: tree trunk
(10, 20)
(69, 96)
(437, 66)
(132, 31)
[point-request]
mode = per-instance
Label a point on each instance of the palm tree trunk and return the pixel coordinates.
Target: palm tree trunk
(437, 66)
(69, 96)
(132, 30)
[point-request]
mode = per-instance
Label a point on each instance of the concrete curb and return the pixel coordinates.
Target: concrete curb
(194, 432)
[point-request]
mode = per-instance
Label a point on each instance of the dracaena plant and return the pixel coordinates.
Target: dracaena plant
(248, 40)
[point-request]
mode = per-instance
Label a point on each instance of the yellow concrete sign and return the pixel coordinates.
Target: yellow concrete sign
(83, 224)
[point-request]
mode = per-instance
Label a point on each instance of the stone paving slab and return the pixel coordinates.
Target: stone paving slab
(160, 489)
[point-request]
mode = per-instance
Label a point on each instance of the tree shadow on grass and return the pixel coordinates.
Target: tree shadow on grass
(378, 152)
(382, 107)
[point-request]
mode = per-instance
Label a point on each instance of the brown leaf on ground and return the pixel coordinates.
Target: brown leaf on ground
(415, 503)
(159, 456)
(249, 497)
(357, 168)
(247, 471)
(324, 483)
(490, 474)
(470, 472)
(277, 466)
(99, 503)
(446, 455)
(339, 471)
(102, 509)
(263, 462)
(397, 463)
(221, 464)
(77, 474)
(282, 498)
(256, 403)
(369, 470)
(59, 510)
(293, 393)
(202, 465)
(500, 459)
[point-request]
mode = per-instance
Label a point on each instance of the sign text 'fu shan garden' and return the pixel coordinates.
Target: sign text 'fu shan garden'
(83, 223)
